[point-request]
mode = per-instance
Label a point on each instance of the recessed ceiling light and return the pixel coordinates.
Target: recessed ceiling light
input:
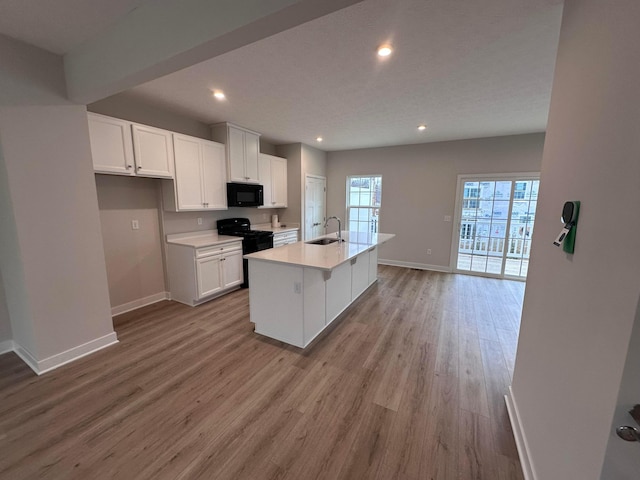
(319, 139)
(384, 50)
(219, 94)
(422, 127)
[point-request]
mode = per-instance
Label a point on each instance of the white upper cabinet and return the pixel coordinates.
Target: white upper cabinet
(200, 178)
(272, 173)
(242, 149)
(214, 175)
(124, 148)
(153, 151)
(111, 145)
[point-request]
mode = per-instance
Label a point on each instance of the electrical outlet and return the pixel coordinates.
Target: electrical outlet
(135, 225)
(264, 216)
(428, 251)
(297, 287)
(447, 218)
(199, 220)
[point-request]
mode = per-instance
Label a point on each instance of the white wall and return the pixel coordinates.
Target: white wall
(419, 187)
(53, 197)
(293, 154)
(133, 257)
(579, 309)
(51, 256)
(5, 320)
(302, 160)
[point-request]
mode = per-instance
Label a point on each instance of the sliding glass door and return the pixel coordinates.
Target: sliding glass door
(495, 216)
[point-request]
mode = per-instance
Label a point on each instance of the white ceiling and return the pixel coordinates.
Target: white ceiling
(60, 25)
(467, 69)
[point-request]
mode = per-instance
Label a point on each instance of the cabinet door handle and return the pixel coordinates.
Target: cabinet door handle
(129, 166)
(139, 167)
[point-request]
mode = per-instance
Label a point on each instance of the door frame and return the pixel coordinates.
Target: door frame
(457, 223)
(303, 214)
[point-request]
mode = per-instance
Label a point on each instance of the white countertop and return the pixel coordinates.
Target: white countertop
(322, 257)
(205, 238)
(266, 227)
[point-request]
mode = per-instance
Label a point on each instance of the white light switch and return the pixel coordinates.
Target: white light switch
(447, 218)
(199, 220)
(135, 225)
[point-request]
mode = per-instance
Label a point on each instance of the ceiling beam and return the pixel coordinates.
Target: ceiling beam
(164, 36)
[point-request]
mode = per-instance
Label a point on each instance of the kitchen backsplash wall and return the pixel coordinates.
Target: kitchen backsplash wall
(180, 222)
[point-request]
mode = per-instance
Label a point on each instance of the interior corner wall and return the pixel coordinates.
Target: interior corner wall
(5, 320)
(48, 168)
(419, 188)
(133, 257)
(579, 309)
(293, 212)
(11, 271)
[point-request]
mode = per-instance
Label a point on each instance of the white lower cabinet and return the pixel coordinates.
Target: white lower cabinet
(359, 274)
(199, 274)
(373, 264)
(295, 303)
(338, 290)
(209, 275)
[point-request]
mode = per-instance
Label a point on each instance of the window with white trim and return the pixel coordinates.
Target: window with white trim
(364, 197)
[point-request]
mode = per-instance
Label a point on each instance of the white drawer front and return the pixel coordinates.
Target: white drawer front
(218, 249)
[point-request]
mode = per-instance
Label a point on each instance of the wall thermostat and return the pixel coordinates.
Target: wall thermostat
(567, 236)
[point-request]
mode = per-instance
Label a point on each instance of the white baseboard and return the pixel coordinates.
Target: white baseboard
(62, 358)
(6, 346)
(141, 302)
(518, 433)
(419, 266)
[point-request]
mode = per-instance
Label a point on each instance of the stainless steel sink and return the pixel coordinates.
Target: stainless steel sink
(322, 241)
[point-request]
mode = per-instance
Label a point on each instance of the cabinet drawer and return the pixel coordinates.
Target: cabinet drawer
(218, 249)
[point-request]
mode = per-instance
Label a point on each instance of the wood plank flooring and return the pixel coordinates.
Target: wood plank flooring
(408, 384)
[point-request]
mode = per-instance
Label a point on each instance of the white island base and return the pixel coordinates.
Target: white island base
(295, 294)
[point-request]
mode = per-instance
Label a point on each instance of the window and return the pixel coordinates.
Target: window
(520, 189)
(364, 194)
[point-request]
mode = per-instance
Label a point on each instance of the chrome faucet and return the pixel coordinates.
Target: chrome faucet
(339, 227)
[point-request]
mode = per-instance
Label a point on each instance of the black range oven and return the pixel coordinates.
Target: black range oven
(252, 240)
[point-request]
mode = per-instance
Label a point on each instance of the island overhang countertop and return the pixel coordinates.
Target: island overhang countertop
(322, 257)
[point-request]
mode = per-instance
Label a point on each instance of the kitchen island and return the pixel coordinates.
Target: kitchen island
(297, 290)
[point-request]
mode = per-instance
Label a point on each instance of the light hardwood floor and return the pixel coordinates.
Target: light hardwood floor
(408, 384)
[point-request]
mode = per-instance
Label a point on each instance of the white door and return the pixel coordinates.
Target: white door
(208, 272)
(314, 210)
(232, 273)
(622, 460)
(495, 217)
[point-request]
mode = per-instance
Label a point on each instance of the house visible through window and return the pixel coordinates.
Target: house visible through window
(364, 195)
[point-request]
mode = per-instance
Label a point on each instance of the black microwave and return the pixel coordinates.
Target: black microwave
(244, 195)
